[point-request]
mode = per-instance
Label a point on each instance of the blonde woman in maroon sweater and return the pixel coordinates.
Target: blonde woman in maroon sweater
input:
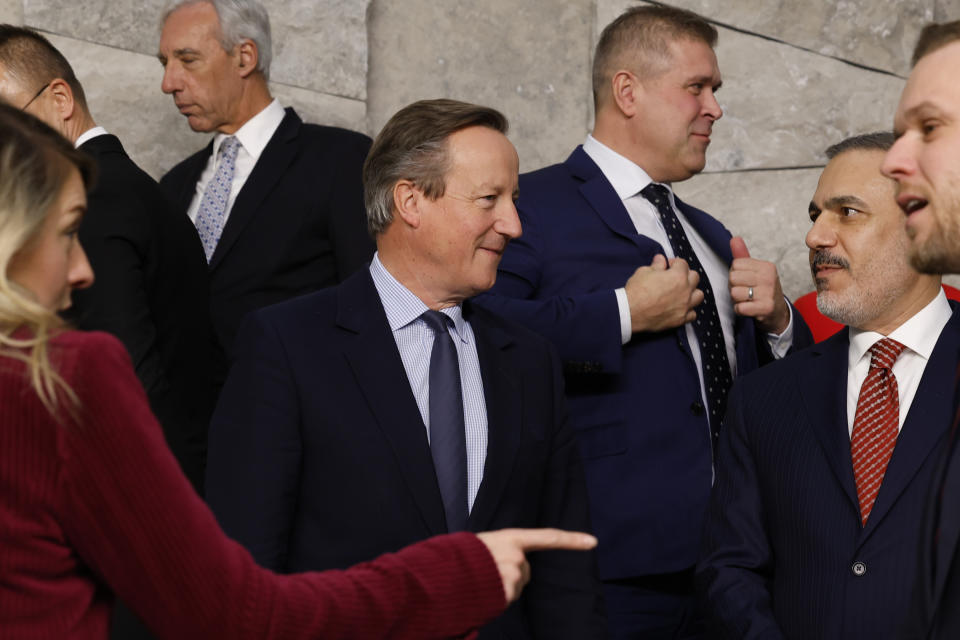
(92, 502)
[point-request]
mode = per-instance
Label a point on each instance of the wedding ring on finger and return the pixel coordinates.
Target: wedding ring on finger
(749, 293)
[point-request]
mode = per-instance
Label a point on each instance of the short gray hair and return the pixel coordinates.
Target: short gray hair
(239, 20)
(413, 146)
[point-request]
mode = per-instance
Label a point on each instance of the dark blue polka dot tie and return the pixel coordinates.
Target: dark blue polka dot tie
(448, 443)
(713, 348)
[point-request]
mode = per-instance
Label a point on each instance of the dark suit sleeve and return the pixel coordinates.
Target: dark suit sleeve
(115, 240)
(563, 598)
(352, 244)
(736, 561)
(802, 338)
(585, 327)
(254, 454)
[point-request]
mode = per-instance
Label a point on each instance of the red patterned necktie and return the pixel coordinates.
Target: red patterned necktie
(875, 426)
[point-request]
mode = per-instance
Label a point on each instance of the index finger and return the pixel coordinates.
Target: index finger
(543, 539)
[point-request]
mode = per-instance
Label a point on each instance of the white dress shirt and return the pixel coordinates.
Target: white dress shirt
(414, 339)
(253, 137)
(93, 132)
(628, 180)
(919, 335)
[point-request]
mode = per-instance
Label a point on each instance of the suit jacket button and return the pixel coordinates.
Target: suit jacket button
(696, 408)
(859, 569)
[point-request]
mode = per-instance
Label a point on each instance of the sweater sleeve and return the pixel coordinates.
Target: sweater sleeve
(136, 522)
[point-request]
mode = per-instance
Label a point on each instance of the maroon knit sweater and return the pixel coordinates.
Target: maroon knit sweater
(97, 504)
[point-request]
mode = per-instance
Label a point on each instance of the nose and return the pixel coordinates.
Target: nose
(508, 221)
(899, 160)
(170, 82)
(711, 106)
(821, 234)
(80, 274)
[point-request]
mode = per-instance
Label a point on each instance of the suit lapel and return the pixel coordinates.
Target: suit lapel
(927, 421)
(376, 363)
(823, 385)
(601, 196)
(502, 393)
(270, 167)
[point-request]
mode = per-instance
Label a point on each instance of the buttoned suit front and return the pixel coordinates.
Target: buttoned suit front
(320, 458)
(637, 408)
(297, 225)
(785, 555)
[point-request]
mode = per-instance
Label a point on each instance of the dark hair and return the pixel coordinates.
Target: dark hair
(647, 31)
(32, 61)
(876, 141)
(413, 146)
(935, 36)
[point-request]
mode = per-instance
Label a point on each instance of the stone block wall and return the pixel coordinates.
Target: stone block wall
(797, 78)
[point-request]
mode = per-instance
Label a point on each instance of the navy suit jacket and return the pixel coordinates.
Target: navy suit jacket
(298, 224)
(934, 612)
(319, 456)
(784, 553)
(637, 409)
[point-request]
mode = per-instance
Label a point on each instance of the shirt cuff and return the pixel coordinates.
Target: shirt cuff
(623, 306)
(780, 344)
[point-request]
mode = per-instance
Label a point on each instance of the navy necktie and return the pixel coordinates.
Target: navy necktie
(713, 348)
(448, 444)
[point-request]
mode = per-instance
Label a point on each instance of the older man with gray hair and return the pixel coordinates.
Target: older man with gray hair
(367, 416)
(277, 203)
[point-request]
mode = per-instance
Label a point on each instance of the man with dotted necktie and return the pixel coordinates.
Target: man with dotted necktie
(826, 456)
(652, 305)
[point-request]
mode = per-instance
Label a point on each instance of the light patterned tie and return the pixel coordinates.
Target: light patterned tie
(875, 424)
(213, 207)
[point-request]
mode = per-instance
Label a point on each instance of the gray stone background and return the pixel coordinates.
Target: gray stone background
(798, 76)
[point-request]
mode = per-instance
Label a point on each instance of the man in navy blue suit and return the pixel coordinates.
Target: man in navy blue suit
(925, 162)
(388, 409)
(652, 305)
(826, 457)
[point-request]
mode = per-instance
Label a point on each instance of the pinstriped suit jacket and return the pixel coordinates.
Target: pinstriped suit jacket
(784, 555)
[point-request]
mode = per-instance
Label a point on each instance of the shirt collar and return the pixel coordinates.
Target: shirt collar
(627, 178)
(919, 334)
(89, 134)
(255, 132)
(402, 306)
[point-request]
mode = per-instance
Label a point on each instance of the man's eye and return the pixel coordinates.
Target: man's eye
(848, 211)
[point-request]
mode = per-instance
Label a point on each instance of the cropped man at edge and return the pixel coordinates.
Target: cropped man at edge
(652, 305)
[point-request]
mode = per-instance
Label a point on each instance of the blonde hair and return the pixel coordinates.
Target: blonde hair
(35, 162)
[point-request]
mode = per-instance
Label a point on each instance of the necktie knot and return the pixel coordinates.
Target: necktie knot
(436, 321)
(884, 353)
(229, 148)
(657, 194)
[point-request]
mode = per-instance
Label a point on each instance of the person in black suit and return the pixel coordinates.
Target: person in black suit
(151, 285)
(350, 425)
(277, 202)
(925, 162)
(812, 525)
